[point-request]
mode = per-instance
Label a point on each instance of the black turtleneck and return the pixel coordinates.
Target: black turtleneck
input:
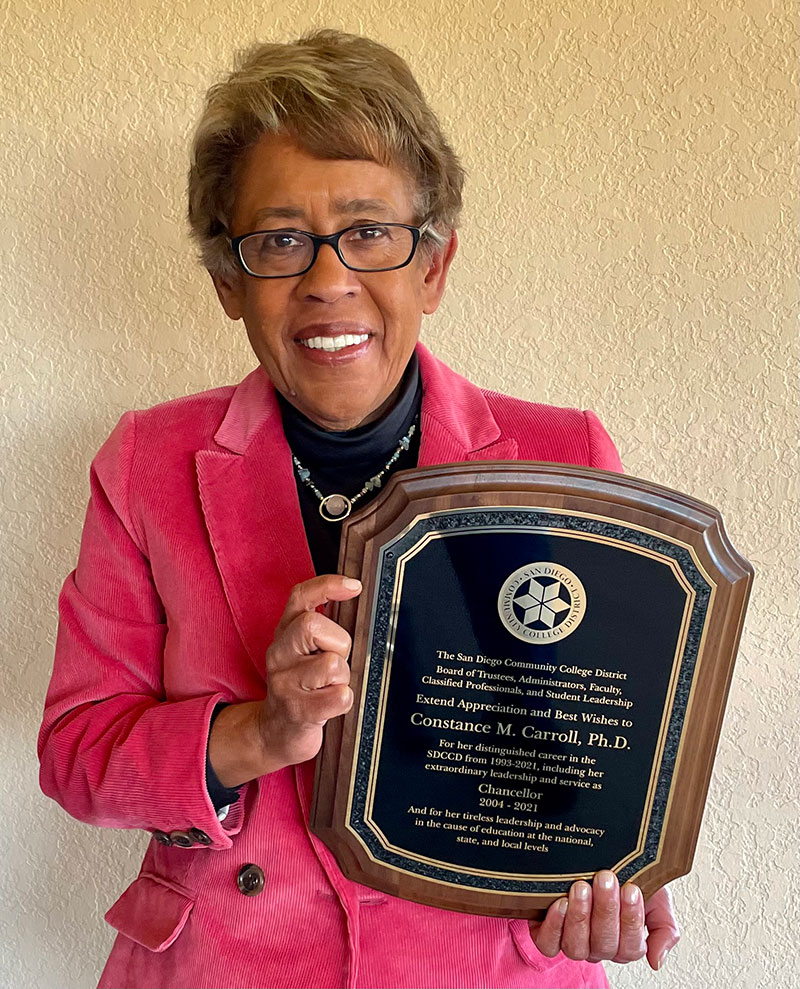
(340, 463)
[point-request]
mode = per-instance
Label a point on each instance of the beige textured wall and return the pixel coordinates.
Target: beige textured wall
(628, 246)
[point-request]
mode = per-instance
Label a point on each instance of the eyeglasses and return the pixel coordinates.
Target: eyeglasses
(288, 253)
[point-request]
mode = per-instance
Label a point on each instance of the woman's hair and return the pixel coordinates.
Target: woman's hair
(339, 96)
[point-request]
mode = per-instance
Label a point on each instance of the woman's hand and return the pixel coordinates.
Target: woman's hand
(603, 923)
(308, 684)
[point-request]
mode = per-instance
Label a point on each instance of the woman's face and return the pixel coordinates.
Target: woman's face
(282, 186)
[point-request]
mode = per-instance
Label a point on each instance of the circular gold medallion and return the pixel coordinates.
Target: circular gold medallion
(335, 507)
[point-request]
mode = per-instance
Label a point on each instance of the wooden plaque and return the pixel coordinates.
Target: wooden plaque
(541, 659)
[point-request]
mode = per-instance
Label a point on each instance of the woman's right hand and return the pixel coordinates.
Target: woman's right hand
(308, 684)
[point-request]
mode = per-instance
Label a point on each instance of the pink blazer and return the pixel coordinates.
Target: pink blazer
(193, 539)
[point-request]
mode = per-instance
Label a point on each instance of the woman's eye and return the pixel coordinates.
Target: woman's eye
(369, 233)
(279, 241)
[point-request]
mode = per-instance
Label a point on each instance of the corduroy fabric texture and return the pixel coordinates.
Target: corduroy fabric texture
(193, 540)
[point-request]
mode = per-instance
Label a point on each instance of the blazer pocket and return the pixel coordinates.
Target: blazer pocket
(521, 935)
(152, 912)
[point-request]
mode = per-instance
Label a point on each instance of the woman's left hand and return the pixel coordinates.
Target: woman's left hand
(603, 923)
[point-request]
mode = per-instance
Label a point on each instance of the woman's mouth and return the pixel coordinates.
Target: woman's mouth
(336, 343)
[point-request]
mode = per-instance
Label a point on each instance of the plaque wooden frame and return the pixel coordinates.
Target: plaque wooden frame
(554, 488)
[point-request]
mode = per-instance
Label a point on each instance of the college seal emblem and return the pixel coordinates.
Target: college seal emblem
(541, 603)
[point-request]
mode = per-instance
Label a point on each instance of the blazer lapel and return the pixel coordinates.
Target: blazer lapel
(252, 514)
(457, 423)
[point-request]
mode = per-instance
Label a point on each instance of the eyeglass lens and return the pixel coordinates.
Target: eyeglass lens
(287, 252)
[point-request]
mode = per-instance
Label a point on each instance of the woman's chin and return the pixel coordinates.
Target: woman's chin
(336, 412)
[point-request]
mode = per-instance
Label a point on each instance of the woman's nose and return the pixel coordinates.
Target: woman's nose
(328, 279)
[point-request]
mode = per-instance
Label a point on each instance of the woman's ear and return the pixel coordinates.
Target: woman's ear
(230, 291)
(436, 274)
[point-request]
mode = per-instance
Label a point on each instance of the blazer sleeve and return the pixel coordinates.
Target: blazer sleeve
(602, 452)
(113, 750)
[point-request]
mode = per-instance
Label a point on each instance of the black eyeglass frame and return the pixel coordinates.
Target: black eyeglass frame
(318, 240)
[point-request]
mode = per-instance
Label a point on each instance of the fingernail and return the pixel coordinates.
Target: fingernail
(581, 891)
(561, 906)
(352, 584)
(605, 880)
(630, 894)
(661, 959)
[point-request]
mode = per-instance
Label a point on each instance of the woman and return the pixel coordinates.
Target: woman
(194, 667)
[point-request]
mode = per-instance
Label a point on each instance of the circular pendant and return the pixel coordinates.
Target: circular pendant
(335, 508)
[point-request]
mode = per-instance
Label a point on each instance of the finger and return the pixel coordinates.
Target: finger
(321, 670)
(312, 594)
(632, 940)
(575, 939)
(326, 703)
(663, 933)
(290, 708)
(547, 933)
(604, 936)
(310, 632)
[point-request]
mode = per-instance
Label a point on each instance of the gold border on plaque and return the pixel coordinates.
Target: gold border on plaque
(389, 655)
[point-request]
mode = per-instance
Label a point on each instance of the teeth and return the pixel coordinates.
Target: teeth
(335, 343)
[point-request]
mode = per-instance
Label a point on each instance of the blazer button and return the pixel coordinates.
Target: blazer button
(181, 838)
(162, 837)
(250, 880)
(199, 836)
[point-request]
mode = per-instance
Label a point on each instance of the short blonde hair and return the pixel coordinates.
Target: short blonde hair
(339, 96)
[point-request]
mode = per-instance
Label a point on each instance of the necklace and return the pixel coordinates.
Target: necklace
(336, 507)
